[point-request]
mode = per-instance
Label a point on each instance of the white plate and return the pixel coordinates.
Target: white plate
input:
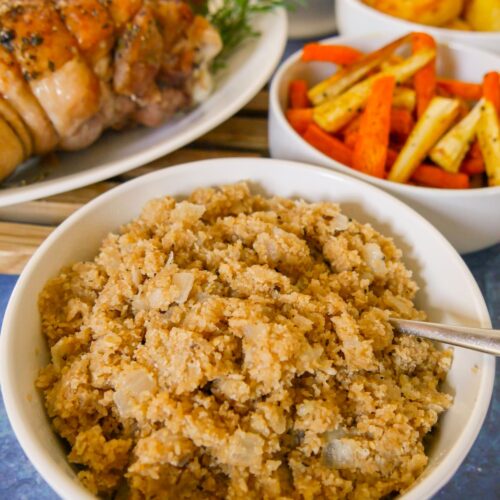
(448, 293)
(248, 69)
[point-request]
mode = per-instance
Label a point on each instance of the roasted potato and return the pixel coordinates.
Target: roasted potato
(483, 15)
(430, 12)
(458, 24)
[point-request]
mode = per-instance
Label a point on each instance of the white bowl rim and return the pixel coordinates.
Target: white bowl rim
(468, 35)
(280, 116)
(51, 471)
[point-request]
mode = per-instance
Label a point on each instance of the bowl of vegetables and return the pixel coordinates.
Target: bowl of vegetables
(476, 23)
(414, 117)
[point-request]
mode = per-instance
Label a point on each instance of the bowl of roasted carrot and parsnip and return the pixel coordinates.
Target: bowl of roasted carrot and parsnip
(417, 118)
(475, 23)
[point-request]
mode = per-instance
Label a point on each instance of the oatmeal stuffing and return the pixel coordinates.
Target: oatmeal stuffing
(234, 346)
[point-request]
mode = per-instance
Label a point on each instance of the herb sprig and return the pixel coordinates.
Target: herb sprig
(233, 20)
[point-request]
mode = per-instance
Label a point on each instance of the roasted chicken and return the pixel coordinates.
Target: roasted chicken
(69, 69)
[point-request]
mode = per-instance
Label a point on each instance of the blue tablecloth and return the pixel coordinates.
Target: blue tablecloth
(478, 477)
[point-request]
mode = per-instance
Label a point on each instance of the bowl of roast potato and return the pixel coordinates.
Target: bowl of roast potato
(472, 22)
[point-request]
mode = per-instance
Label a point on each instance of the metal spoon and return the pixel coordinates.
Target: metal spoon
(480, 339)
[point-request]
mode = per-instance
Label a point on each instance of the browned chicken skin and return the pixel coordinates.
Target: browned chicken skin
(123, 11)
(138, 57)
(177, 58)
(51, 63)
(69, 69)
(92, 25)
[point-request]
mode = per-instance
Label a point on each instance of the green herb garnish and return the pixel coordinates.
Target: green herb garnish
(233, 20)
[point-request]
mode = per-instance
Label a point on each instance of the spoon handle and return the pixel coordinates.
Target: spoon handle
(480, 339)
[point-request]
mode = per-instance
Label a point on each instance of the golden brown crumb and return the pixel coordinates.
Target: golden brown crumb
(233, 346)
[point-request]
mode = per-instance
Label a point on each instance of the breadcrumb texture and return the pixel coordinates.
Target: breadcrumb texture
(234, 346)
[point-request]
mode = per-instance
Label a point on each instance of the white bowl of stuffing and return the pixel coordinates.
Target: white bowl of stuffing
(220, 329)
(414, 117)
(475, 23)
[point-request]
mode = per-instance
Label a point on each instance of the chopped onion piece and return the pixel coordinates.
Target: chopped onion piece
(184, 283)
(375, 258)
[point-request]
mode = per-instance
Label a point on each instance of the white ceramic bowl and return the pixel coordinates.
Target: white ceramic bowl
(356, 18)
(467, 217)
(448, 293)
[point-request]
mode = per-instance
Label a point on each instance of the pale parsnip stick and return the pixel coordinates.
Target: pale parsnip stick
(345, 78)
(435, 121)
(333, 115)
(404, 97)
(450, 151)
(488, 134)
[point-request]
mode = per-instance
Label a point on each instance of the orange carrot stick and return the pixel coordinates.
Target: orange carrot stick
(299, 119)
(424, 79)
(437, 177)
(338, 54)
(472, 166)
(402, 122)
(491, 88)
(297, 94)
(327, 144)
(370, 153)
(457, 88)
(351, 131)
(392, 155)
(475, 150)
(474, 161)
(352, 126)
(351, 139)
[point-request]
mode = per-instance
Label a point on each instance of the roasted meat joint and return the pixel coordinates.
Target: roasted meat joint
(70, 69)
